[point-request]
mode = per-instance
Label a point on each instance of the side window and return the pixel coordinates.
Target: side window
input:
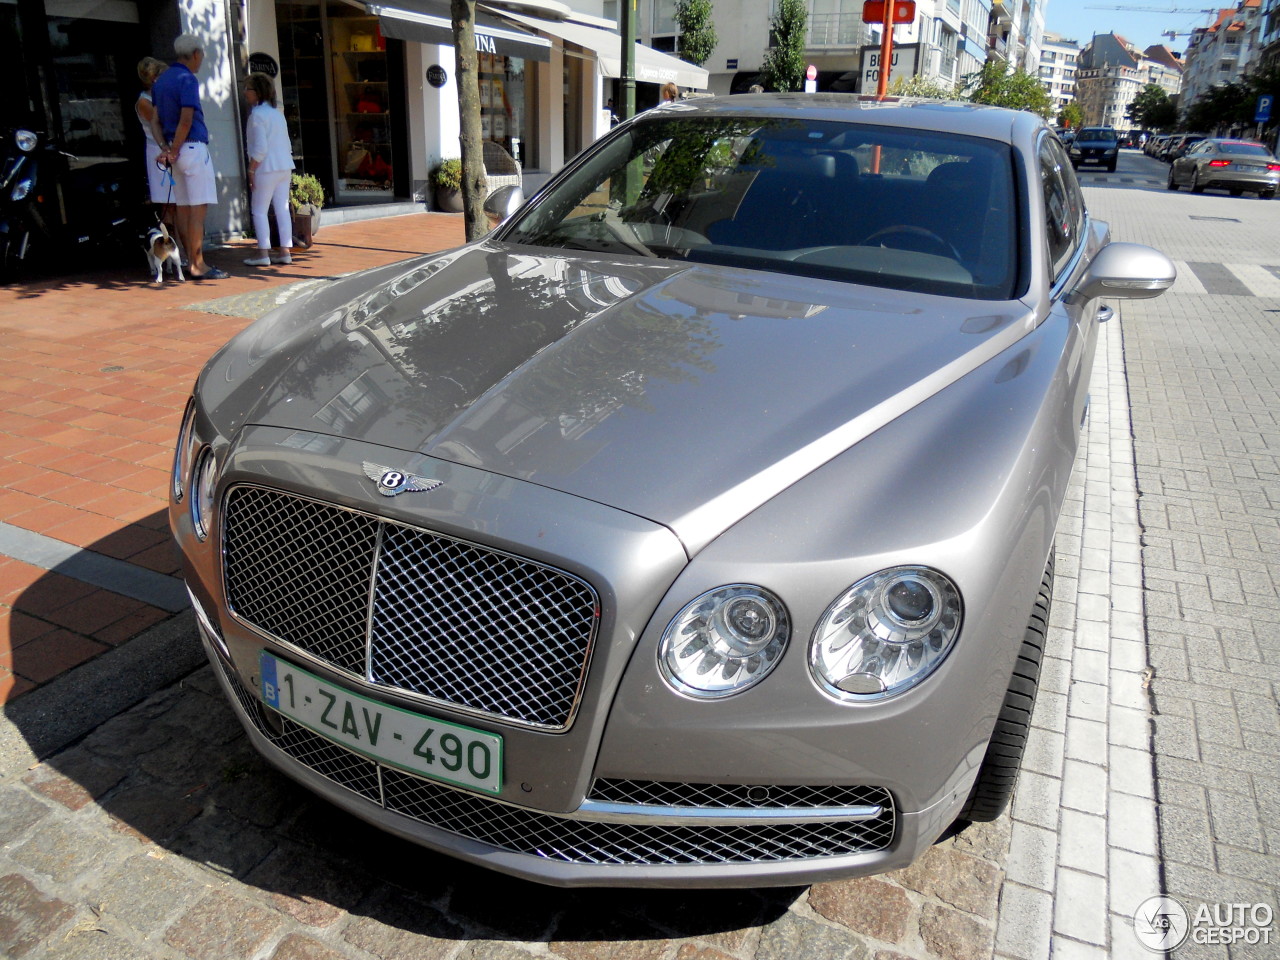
(1063, 205)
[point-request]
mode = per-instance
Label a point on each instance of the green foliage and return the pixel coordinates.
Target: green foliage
(1231, 104)
(697, 33)
(921, 86)
(1071, 116)
(305, 189)
(448, 176)
(785, 63)
(1152, 109)
(994, 85)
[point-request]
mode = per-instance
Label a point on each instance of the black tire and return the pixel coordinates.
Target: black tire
(1111, 167)
(999, 771)
(1266, 195)
(1172, 184)
(1196, 185)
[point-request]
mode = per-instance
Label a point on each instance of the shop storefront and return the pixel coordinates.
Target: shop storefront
(368, 88)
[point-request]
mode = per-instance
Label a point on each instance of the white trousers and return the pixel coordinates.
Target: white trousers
(271, 190)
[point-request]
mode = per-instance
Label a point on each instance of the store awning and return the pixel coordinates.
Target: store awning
(652, 66)
(429, 21)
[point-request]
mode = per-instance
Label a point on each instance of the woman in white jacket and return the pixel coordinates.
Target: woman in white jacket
(270, 170)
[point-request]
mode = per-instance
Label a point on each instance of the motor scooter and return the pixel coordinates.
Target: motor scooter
(55, 210)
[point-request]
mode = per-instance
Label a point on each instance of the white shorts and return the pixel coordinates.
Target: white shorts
(158, 184)
(193, 180)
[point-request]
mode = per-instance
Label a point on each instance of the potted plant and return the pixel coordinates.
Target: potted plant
(447, 181)
(306, 197)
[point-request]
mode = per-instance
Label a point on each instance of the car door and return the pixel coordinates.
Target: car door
(1071, 241)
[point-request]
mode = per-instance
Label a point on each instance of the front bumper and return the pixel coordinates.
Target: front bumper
(860, 831)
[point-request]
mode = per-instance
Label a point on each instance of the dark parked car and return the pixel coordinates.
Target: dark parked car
(695, 527)
(1233, 165)
(1098, 146)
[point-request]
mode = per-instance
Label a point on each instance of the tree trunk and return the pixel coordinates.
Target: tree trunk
(466, 63)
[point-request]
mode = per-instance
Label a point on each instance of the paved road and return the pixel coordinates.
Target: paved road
(1152, 767)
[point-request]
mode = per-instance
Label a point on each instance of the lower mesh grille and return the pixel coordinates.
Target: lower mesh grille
(592, 842)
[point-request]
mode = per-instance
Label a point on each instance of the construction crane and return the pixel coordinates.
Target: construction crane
(1150, 9)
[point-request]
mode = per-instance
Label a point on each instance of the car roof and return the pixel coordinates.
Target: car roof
(971, 119)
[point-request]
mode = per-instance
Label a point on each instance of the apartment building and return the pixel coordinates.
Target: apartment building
(1059, 59)
(1225, 50)
(1112, 72)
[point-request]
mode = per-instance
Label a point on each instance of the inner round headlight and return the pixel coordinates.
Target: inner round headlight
(724, 641)
(885, 634)
(26, 140)
(202, 494)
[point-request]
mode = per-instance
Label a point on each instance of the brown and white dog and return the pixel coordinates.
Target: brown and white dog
(161, 249)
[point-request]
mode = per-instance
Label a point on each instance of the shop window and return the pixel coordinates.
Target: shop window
(95, 71)
(503, 104)
(361, 104)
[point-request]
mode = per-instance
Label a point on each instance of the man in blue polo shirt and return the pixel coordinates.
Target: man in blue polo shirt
(176, 94)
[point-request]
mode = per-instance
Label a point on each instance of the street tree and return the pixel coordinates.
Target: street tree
(1071, 116)
(1019, 90)
(1220, 108)
(1152, 109)
(784, 66)
(697, 33)
(466, 71)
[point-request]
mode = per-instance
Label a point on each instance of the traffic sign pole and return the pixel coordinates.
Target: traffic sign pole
(886, 50)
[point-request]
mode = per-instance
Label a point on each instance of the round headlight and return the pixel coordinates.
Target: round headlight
(725, 641)
(885, 634)
(26, 140)
(202, 486)
(185, 450)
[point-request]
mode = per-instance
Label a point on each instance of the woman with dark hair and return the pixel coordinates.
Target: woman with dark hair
(270, 170)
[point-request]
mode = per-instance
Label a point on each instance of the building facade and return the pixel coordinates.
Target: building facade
(1112, 72)
(1224, 50)
(1058, 64)
(368, 88)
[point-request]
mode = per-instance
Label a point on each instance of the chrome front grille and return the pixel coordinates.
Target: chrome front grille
(595, 842)
(415, 611)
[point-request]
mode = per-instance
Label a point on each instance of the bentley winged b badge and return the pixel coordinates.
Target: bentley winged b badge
(390, 482)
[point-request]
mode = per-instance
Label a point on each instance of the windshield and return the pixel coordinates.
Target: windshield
(914, 210)
(1097, 133)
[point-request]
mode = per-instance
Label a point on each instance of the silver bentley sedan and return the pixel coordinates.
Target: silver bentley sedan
(693, 528)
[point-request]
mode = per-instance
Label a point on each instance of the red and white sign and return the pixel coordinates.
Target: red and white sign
(904, 11)
(811, 72)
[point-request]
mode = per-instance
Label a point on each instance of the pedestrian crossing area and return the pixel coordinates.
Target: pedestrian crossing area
(1227, 279)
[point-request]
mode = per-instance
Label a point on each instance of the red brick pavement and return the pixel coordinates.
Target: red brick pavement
(94, 374)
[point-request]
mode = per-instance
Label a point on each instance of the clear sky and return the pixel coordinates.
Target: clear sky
(1077, 20)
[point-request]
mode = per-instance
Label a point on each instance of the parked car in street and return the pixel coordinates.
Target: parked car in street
(693, 528)
(1233, 165)
(1180, 144)
(1096, 146)
(1155, 145)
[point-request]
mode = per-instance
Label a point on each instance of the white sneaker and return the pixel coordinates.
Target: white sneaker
(281, 258)
(259, 261)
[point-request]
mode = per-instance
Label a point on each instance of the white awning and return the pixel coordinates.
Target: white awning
(430, 21)
(652, 66)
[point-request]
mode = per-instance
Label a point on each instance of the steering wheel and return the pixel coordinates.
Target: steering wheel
(907, 230)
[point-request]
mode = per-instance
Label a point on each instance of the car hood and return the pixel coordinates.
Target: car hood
(685, 394)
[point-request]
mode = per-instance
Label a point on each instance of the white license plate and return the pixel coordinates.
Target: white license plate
(411, 741)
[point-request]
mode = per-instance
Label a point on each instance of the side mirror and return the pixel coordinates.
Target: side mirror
(1128, 271)
(502, 203)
